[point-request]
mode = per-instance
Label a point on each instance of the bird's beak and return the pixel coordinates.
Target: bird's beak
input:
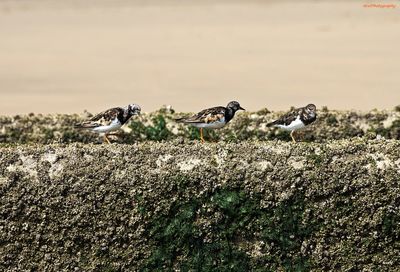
(240, 108)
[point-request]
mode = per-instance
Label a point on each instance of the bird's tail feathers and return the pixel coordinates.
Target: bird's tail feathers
(180, 120)
(83, 126)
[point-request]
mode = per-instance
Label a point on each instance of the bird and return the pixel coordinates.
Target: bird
(296, 119)
(109, 120)
(216, 117)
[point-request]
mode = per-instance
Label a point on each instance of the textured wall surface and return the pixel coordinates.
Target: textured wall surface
(260, 206)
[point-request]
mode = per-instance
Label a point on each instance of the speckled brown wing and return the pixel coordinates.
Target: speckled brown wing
(205, 116)
(287, 118)
(102, 119)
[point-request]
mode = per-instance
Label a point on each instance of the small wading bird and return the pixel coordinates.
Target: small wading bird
(110, 120)
(216, 117)
(296, 119)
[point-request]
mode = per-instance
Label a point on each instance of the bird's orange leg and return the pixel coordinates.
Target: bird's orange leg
(292, 135)
(106, 139)
(201, 135)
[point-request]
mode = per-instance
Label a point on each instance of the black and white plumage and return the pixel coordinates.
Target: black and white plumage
(110, 120)
(215, 117)
(296, 119)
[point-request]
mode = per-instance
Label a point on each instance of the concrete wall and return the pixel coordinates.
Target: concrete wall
(245, 205)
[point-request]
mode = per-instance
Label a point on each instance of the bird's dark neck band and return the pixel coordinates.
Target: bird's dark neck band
(123, 117)
(229, 114)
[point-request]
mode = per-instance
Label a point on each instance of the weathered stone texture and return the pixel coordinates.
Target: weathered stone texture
(259, 206)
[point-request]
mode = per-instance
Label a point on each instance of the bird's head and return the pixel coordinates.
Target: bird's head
(235, 106)
(134, 109)
(311, 109)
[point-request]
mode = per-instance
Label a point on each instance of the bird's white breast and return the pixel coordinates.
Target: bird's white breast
(296, 124)
(114, 125)
(217, 124)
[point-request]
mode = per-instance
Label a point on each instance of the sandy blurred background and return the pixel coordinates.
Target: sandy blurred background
(68, 56)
